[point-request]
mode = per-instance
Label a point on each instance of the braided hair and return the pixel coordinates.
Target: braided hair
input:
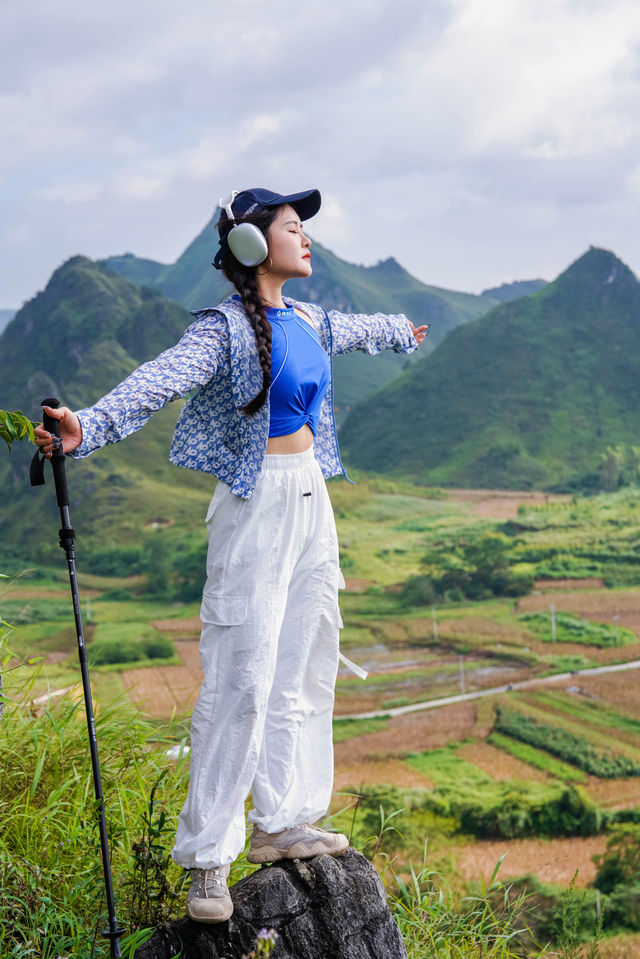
(244, 280)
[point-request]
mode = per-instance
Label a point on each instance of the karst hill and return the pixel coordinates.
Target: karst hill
(528, 396)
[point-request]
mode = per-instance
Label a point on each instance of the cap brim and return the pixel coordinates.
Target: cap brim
(306, 204)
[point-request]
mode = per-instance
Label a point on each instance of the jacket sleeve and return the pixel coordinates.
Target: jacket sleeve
(190, 364)
(371, 333)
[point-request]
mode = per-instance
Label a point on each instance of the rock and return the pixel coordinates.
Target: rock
(321, 908)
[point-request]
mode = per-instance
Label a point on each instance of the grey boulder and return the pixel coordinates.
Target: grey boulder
(320, 908)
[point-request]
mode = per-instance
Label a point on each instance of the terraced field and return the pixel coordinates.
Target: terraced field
(416, 654)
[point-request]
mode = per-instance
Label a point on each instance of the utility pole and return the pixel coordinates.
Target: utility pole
(435, 624)
(462, 689)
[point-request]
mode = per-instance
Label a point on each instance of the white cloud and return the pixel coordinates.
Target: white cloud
(499, 134)
(140, 187)
(633, 181)
(70, 192)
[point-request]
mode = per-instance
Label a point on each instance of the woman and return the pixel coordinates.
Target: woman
(262, 423)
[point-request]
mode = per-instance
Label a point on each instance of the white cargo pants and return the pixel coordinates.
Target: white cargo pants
(269, 653)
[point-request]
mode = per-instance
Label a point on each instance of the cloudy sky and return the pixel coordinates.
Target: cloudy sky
(477, 141)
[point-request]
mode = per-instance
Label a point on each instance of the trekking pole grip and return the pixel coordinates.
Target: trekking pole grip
(57, 457)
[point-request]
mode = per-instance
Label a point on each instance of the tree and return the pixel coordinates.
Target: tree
(611, 467)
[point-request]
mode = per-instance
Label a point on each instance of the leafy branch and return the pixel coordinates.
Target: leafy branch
(16, 426)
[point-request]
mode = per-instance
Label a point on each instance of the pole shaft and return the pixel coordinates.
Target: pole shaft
(67, 542)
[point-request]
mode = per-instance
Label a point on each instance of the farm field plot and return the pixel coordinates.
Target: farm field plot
(619, 689)
(502, 504)
(450, 776)
(162, 691)
(371, 772)
(614, 793)
(500, 765)
(550, 860)
(598, 605)
(609, 738)
(623, 946)
(588, 711)
(415, 732)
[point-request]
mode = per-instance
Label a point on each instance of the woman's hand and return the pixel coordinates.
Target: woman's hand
(420, 331)
(70, 431)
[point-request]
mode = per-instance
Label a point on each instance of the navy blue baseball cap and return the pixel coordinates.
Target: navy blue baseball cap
(249, 202)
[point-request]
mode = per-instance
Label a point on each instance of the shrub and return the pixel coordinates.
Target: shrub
(112, 651)
(491, 810)
(512, 810)
(116, 561)
(419, 591)
(620, 864)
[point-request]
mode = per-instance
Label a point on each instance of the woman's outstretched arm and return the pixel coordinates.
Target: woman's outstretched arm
(191, 363)
(372, 333)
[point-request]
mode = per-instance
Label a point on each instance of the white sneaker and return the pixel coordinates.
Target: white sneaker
(299, 842)
(208, 899)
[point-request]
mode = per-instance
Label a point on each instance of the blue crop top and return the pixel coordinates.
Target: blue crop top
(301, 371)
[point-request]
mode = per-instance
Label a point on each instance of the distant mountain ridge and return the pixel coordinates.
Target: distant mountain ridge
(513, 291)
(529, 395)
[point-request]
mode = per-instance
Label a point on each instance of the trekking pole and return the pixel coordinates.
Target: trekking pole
(67, 542)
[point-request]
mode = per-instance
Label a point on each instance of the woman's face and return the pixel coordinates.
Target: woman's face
(288, 246)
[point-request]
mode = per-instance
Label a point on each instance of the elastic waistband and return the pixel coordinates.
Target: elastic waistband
(288, 461)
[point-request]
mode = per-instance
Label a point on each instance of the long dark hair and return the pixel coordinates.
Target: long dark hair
(244, 280)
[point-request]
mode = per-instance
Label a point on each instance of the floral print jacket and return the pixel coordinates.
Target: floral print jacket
(217, 358)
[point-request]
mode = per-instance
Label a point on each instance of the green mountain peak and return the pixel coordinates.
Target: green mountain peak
(78, 337)
(529, 395)
(596, 272)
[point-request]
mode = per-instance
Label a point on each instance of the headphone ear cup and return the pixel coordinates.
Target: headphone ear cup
(247, 244)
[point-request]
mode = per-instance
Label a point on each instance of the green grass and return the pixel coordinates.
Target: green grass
(537, 758)
(446, 768)
(344, 729)
(573, 629)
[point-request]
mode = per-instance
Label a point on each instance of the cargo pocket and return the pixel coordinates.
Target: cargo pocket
(223, 610)
(218, 639)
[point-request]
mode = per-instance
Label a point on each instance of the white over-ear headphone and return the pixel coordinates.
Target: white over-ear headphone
(245, 240)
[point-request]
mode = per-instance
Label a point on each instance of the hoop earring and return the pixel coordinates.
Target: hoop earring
(264, 272)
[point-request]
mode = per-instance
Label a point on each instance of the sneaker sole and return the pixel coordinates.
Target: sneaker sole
(211, 919)
(299, 850)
